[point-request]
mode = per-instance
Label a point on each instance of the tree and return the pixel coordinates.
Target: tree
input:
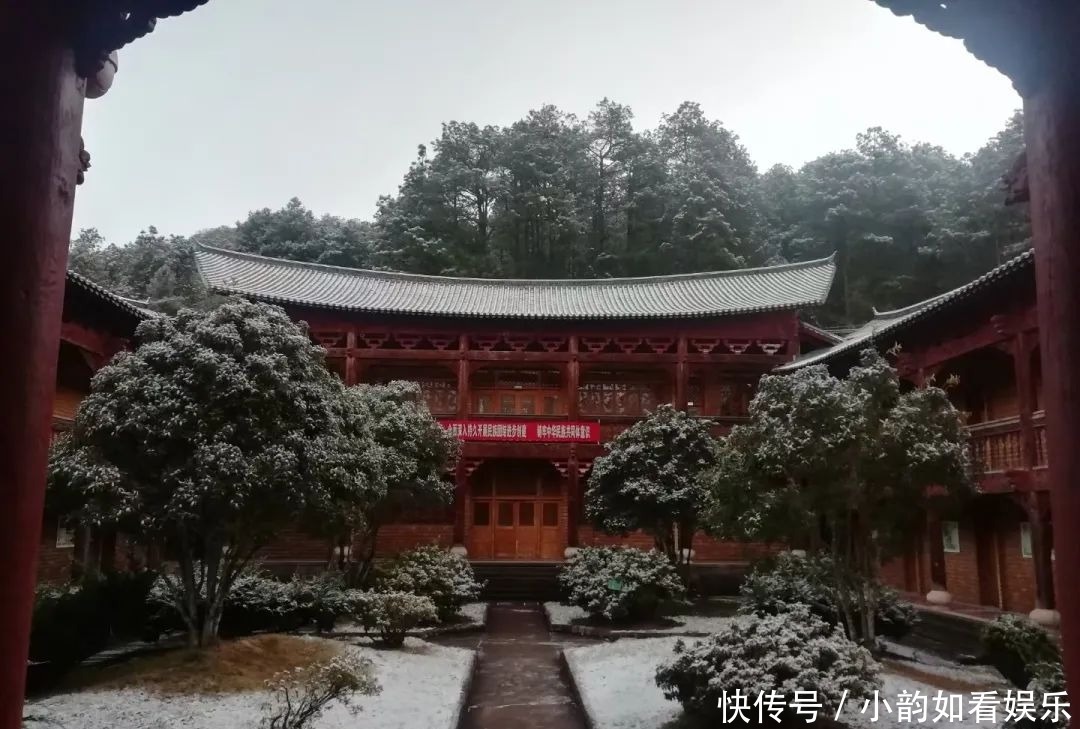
(653, 478)
(210, 437)
(408, 454)
(845, 463)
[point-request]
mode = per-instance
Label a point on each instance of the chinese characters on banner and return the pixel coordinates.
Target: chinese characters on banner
(525, 432)
(907, 707)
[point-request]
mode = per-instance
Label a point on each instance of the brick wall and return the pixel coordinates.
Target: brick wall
(1017, 571)
(706, 548)
(961, 568)
(54, 563)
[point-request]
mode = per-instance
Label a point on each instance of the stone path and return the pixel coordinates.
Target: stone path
(518, 682)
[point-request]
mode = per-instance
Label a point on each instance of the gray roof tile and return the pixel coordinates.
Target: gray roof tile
(891, 322)
(788, 286)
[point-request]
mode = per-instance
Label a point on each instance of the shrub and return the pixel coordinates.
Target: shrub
(434, 572)
(74, 621)
(789, 579)
(618, 583)
(321, 599)
(793, 650)
(391, 614)
(1014, 645)
(1047, 677)
(300, 695)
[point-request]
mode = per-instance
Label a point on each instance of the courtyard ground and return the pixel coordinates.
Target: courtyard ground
(618, 689)
(422, 688)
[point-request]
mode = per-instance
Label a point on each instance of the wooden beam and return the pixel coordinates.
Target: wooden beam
(351, 370)
(39, 137)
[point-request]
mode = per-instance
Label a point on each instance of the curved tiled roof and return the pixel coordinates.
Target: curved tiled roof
(890, 322)
(126, 305)
(789, 286)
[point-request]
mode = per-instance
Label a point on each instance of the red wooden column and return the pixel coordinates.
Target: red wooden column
(573, 379)
(681, 375)
(1051, 118)
(42, 101)
(573, 497)
(352, 375)
(461, 474)
(1022, 345)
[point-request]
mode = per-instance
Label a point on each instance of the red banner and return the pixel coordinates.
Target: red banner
(524, 432)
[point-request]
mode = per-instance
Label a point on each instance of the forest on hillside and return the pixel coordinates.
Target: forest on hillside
(557, 196)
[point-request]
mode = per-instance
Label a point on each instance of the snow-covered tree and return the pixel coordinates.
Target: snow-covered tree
(407, 454)
(212, 435)
(653, 479)
(847, 464)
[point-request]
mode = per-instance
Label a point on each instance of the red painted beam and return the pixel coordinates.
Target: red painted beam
(39, 145)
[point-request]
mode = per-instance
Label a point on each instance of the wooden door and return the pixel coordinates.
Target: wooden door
(551, 530)
(505, 530)
(528, 530)
(480, 543)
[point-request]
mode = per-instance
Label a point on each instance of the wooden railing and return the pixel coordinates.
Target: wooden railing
(997, 445)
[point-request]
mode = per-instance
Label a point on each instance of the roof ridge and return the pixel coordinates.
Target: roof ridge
(403, 275)
(108, 295)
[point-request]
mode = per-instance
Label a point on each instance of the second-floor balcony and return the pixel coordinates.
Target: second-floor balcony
(998, 445)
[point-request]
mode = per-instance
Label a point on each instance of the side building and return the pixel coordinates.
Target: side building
(535, 376)
(981, 341)
(96, 325)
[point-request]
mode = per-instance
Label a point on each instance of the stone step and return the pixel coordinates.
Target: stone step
(519, 580)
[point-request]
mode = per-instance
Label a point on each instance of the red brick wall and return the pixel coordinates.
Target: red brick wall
(1017, 571)
(54, 563)
(293, 545)
(961, 568)
(706, 549)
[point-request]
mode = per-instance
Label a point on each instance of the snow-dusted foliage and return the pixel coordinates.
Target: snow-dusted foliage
(220, 428)
(787, 579)
(434, 572)
(652, 478)
(789, 652)
(858, 455)
(1015, 645)
(619, 583)
(408, 455)
(391, 614)
(1046, 678)
(298, 696)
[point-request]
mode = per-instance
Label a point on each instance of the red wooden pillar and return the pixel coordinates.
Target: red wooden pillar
(461, 475)
(352, 375)
(681, 375)
(42, 101)
(1051, 118)
(1037, 509)
(463, 375)
(461, 485)
(573, 379)
(1021, 350)
(573, 497)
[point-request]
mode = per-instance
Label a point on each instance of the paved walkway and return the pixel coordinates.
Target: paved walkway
(518, 683)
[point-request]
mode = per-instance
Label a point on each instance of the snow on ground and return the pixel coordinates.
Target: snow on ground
(619, 691)
(421, 689)
(562, 614)
(475, 612)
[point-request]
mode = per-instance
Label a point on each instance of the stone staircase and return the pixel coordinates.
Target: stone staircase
(519, 580)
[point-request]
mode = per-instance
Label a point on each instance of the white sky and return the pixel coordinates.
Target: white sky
(243, 104)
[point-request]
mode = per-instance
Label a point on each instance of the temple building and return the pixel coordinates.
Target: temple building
(535, 375)
(981, 342)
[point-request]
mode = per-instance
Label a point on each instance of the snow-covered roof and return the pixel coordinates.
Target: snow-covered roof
(784, 287)
(891, 322)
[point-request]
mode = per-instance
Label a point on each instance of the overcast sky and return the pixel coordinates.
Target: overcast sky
(243, 104)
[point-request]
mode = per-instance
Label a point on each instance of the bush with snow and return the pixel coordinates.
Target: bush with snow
(787, 579)
(321, 599)
(620, 583)
(391, 614)
(788, 652)
(299, 696)
(1047, 677)
(1014, 645)
(448, 579)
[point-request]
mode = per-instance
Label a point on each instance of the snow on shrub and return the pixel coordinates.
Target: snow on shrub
(618, 583)
(1014, 645)
(789, 579)
(299, 696)
(792, 651)
(391, 614)
(321, 599)
(448, 579)
(1047, 678)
